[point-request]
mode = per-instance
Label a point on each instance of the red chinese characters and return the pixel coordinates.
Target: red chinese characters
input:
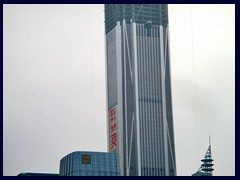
(113, 140)
(113, 128)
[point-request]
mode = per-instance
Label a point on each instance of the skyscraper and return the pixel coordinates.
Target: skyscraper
(139, 89)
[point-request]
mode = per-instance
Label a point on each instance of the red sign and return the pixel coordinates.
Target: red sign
(113, 128)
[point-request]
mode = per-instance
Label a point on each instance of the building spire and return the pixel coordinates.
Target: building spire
(209, 140)
(206, 167)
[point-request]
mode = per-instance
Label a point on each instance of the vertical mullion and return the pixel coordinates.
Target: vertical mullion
(157, 103)
(154, 104)
(164, 101)
(146, 117)
(140, 86)
(148, 104)
(151, 100)
(144, 96)
(160, 105)
(125, 95)
(134, 35)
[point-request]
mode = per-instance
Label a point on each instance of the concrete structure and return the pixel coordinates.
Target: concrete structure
(139, 89)
(36, 174)
(87, 163)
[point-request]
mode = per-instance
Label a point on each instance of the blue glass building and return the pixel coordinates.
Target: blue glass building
(139, 98)
(85, 163)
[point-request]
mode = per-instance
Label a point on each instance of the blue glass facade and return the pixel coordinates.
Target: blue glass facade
(83, 163)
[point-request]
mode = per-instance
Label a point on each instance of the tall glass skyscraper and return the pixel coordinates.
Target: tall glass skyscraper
(139, 89)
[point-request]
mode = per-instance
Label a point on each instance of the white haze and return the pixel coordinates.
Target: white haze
(54, 85)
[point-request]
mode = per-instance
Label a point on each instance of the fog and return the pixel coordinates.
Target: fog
(54, 86)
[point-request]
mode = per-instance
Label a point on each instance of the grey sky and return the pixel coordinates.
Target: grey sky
(54, 84)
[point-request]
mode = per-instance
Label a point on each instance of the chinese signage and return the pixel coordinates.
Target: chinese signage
(86, 159)
(113, 128)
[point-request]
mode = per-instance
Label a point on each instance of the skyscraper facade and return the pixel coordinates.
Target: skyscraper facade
(140, 124)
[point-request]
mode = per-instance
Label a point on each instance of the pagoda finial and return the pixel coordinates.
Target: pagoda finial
(206, 168)
(209, 140)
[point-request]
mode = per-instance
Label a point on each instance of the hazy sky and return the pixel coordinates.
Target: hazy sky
(54, 85)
